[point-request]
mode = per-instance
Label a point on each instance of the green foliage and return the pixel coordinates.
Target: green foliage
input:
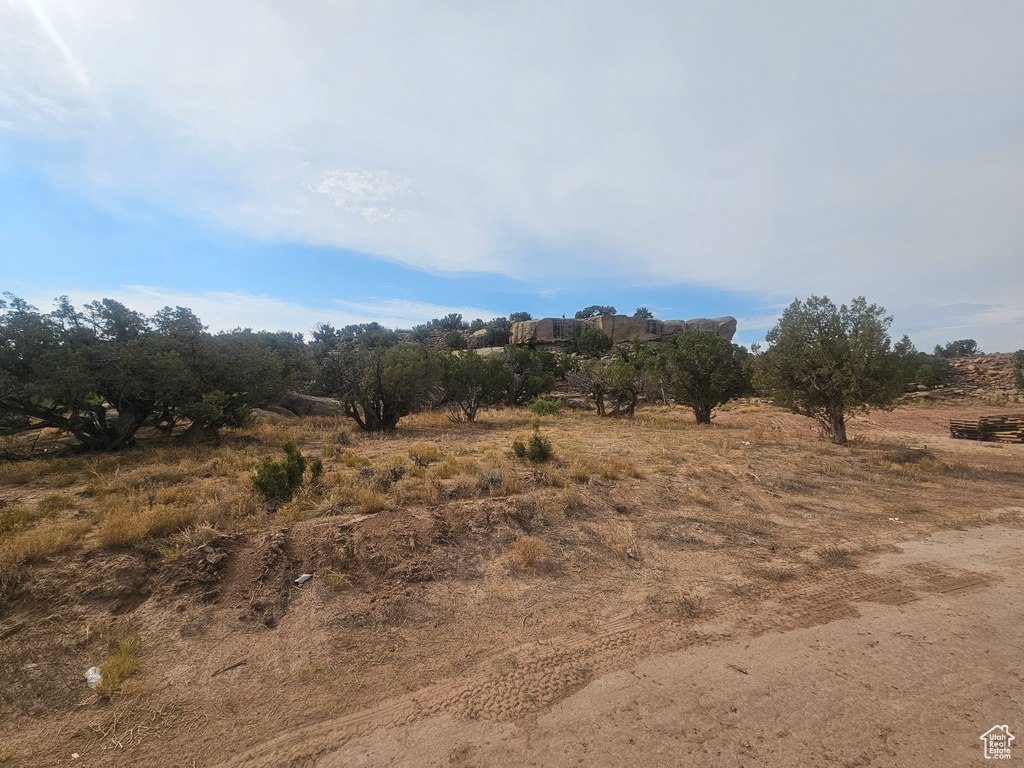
(1018, 370)
(826, 362)
(643, 312)
(958, 348)
(530, 373)
(594, 310)
(630, 376)
(519, 317)
(378, 386)
(277, 481)
(468, 382)
(366, 335)
(589, 341)
(543, 407)
(62, 370)
(316, 470)
(927, 375)
(499, 331)
(455, 340)
(477, 325)
(704, 371)
(537, 448)
(452, 322)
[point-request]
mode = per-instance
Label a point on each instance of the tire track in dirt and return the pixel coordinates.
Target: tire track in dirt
(543, 672)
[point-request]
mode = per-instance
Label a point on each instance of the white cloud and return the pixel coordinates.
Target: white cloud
(224, 310)
(359, 192)
(777, 148)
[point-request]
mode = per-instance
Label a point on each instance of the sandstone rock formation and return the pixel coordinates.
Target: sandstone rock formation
(620, 328)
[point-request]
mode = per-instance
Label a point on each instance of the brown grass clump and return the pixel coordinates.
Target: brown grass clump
(580, 470)
(617, 539)
(423, 454)
(14, 519)
(372, 501)
(41, 542)
(615, 468)
(528, 552)
(127, 523)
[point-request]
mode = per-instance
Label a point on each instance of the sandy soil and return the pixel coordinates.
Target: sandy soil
(925, 658)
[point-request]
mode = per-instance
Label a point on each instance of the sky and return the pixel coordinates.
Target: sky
(278, 164)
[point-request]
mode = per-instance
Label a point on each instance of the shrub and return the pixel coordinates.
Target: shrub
(589, 341)
(528, 551)
(455, 340)
(1018, 371)
(537, 449)
(278, 480)
(543, 407)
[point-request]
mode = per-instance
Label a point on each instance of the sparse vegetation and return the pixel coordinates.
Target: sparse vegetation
(537, 448)
(278, 480)
(528, 552)
(119, 666)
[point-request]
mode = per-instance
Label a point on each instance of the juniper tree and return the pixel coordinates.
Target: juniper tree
(826, 363)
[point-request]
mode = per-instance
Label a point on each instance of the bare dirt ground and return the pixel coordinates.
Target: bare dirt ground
(926, 659)
(735, 634)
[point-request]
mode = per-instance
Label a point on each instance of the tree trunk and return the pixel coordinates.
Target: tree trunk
(702, 414)
(837, 428)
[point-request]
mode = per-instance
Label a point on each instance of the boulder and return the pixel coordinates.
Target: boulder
(307, 405)
(477, 338)
(548, 330)
(621, 328)
(277, 410)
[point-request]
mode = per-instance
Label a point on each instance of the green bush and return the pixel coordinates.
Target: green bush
(537, 449)
(543, 407)
(1018, 371)
(278, 480)
(589, 341)
(455, 340)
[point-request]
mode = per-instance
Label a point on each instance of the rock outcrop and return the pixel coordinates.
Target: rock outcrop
(307, 405)
(619, 328)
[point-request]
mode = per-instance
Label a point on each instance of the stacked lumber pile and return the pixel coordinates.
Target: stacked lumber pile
(1003, 429)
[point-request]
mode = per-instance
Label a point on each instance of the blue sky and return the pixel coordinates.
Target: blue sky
(272, 165)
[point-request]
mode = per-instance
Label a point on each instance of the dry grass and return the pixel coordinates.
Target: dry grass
(55, 502)
(528, 552)
(41, 542)
(619, 540)
(14, 519)
(117, 667)
(129, 522)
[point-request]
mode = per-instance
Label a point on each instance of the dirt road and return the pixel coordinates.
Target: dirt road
(905, 662)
